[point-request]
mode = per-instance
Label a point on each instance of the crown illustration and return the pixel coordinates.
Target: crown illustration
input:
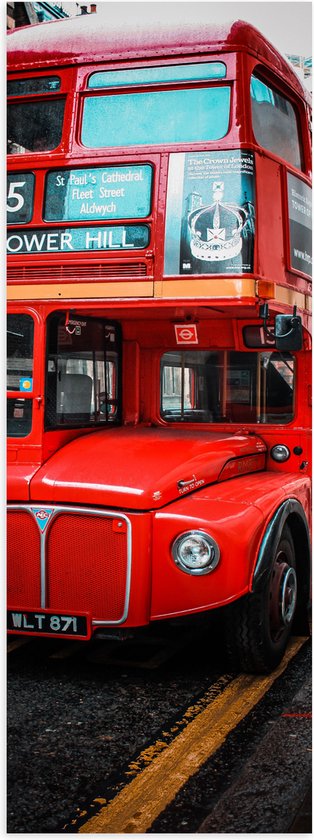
(216, 229)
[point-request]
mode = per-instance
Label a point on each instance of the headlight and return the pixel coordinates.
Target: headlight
(280, 452)
(195, 553)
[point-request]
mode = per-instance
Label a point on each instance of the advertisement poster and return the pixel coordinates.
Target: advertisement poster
(210, 220)
(300, 223)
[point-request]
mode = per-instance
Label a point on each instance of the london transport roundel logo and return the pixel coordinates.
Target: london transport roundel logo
(186, 333)
(26, 384)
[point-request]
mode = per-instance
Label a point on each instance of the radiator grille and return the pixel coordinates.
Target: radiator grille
(23, 560)
(92, 271)
(86, 563)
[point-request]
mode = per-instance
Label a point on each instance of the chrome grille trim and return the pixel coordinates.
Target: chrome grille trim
(55, 511)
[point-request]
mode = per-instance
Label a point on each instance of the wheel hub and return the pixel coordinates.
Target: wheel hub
(282, 595)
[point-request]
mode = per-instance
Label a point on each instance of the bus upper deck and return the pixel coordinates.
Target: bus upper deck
(157, 164)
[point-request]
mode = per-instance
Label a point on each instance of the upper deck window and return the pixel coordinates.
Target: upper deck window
(40, 84)
(156, 117)
(34, 126)
(275, 122)
(155, 75)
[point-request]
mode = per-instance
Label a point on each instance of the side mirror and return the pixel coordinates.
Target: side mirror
(288, 332)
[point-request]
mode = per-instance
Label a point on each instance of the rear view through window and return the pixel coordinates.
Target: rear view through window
(20, 357)
(217, 387)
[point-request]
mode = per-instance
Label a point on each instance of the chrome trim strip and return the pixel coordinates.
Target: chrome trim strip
(56, 510)
(42, 571)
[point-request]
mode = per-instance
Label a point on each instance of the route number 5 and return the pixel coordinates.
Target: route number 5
(18, 198)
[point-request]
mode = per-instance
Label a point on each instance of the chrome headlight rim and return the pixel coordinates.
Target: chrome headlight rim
(211, 543)
(280, 453)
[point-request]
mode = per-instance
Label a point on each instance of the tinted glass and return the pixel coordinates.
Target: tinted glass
(275, 122)
(83, 374)
(19, 417)
(217, 387)
(41, 84)
(156, 117)
(153, 75)
(20, 337)
(34, 126)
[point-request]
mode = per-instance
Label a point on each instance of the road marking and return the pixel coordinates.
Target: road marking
(297, 715)
(141, 801)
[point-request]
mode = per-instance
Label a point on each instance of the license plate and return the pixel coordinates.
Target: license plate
(48, 624)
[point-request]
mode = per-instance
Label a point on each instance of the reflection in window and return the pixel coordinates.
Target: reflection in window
(20, 333)
(153, 75)
(20, 337)
(34, 126)
(236, 387)
(19, 417)
(275, 122)
(82, 381)
(39, 84)
(168, 116)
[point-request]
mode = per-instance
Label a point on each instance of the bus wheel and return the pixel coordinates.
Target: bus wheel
(259, 625)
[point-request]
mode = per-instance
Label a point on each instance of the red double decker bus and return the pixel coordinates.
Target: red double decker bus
(159, 259)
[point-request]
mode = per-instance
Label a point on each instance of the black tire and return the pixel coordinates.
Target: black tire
(258, 626)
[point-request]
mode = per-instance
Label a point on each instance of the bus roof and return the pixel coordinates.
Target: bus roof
(90, 39)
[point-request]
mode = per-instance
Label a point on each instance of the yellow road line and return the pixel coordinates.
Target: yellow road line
(139, 803)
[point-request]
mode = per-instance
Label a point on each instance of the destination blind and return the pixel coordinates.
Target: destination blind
(114, 192)
(49, 240)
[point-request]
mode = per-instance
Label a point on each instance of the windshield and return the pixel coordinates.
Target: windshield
(227, 386)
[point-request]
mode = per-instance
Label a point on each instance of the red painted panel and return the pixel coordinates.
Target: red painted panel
(23, 561)
(79, 40)
(138, 468)
(235, 514)
(18, 481)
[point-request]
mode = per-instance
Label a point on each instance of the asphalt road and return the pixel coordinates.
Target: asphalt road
(84, 722)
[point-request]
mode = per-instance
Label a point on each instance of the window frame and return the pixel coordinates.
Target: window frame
(260, 73)
(65, 92)
(146, 89)
(258, 352)
(91, 425)
(34, 395)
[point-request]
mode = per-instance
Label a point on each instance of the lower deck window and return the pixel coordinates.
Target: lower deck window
(227, 386)
(20, 363)
(83, 376)
(19, 417)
